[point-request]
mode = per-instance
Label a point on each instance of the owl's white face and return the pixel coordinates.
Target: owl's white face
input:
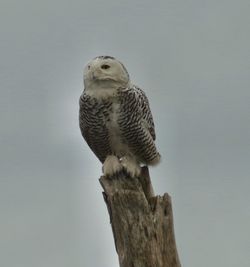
(105, 71)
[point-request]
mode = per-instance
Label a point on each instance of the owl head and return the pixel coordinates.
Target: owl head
(105, 71)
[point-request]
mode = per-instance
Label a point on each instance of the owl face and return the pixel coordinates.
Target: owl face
(105, 70)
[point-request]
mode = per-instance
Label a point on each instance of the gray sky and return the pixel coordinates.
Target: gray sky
(192, 58)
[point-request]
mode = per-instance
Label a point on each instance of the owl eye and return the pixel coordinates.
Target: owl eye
(105, 66)
(88, 67)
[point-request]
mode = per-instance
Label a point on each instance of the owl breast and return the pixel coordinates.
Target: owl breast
(101, 127)
(117, 143)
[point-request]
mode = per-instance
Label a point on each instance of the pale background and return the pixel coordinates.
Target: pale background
(192, 58)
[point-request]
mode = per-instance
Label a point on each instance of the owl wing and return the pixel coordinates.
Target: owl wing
(84, 120)
(91, 127)
(146, 112)
(137, 125)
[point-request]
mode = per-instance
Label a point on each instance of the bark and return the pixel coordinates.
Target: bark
(142, 223)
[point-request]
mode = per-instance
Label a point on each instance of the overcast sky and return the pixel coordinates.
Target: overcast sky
(192, 58)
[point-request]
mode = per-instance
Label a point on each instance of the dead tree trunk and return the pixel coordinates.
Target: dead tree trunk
(142, 223)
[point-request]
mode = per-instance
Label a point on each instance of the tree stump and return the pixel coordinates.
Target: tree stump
(142, 223)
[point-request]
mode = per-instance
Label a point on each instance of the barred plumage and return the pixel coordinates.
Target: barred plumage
(115, 118)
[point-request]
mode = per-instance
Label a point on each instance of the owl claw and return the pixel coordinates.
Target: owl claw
(111, 166)
(130, 166)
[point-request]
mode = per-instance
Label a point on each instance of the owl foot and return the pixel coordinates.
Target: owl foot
(111, 166)
(131, 166)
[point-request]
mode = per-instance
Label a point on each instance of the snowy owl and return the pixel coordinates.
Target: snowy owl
(115, 118)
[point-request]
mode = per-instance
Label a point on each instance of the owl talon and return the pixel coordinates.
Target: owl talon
(111, 166)
(130, 166)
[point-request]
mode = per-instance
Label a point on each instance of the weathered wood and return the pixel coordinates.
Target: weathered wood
(142, 223)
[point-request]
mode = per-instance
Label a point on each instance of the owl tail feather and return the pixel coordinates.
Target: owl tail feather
(155, 161)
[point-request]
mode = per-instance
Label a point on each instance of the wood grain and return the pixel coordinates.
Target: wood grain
(142, 223)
